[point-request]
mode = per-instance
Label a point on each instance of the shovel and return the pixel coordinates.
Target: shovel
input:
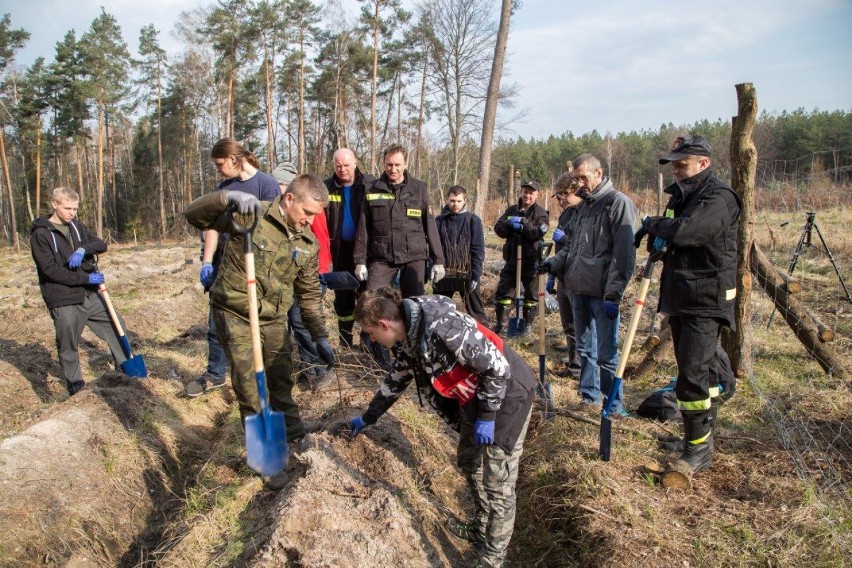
(543, 387)
(266, 433)
(606, 421)
(517, 325)
(134, 366)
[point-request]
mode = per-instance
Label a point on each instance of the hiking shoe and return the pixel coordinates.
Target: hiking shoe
(74, 388)
(308, 427)
(275, 482)
(205, 383)
(324, 379)
(469, 532)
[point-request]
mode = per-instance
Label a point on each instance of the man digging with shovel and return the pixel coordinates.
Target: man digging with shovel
(286, 266)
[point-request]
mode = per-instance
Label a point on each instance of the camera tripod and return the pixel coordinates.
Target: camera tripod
(806, 240)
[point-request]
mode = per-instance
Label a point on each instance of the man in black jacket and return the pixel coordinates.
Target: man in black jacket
(463, 242)
(63, 250)
(345, 200)
(396, 230)
(524, 223)
(698, 288)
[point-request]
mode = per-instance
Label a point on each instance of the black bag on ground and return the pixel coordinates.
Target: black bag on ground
(661, 404)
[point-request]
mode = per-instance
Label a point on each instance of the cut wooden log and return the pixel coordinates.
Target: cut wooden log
(796, 316)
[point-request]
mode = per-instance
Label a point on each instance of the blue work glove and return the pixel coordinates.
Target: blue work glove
(551, 282)
(558, 234)
(611, 309)
(543, 266)
(357, 424)
(645, 221)
(246, 203)
(325, 352)
(207, 275)
(659, 244)
(323, 287)
(516, 223)
(96, 278)
(483, 432)
(76, 258)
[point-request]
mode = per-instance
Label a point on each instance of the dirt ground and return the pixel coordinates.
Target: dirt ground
(133, 473)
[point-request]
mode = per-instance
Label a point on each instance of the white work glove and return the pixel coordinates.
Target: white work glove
(438, 273)
(473, 285)
(361, 272)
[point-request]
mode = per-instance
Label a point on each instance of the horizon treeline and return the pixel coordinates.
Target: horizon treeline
(130, 127)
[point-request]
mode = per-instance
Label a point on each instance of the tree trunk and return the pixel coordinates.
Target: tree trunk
(373, 88)
(270, 133)
(738, 342)
(420, 114)
(493, 97)
(12, 221)
(302, 158)
(81, 157)
(38, 169)
(796, 316)
(99, 205)
(162, 193)
(655, 355)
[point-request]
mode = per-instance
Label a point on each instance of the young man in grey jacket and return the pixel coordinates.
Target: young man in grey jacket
(596, 268)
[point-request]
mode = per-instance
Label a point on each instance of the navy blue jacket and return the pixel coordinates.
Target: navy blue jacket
(461, 232)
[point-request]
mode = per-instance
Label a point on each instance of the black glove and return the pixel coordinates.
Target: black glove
(640, 234)
(245, 203)
(543, 266)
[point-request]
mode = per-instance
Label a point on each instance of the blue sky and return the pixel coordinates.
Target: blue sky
(611, 65)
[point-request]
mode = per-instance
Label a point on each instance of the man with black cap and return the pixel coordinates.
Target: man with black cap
(524, 223)
(698, 288)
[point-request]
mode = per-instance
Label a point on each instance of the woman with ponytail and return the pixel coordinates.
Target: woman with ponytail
(475, 381)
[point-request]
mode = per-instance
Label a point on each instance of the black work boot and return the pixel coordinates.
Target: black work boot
(698, 449)
(529, 318)
(499, 316)
(344, 330)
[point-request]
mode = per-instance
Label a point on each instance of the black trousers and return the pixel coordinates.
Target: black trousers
(411, 276)
(472, 299)
(695, 339)
(506, 284)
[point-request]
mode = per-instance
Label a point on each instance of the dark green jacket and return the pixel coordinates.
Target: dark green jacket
(286, 264)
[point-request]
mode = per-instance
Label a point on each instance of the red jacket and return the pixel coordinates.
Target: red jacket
(320, 230)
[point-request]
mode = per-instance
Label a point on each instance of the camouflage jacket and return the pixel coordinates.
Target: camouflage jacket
(439, 338)
(286, 263)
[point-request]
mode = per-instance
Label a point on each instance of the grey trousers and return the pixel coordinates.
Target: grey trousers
(69, 321)
(491, 474)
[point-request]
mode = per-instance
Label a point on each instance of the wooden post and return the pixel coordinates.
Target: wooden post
(737, 343)
(510, 186)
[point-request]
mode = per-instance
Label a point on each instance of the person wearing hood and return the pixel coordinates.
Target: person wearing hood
(698, 289)
(485, 390)
(64, 253)
(345, 200)
(463, 242)
(596, 268)
(524, 223)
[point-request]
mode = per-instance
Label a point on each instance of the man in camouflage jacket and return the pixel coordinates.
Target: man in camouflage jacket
(286, 265)
(455, 359)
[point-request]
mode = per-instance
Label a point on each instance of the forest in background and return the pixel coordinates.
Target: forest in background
(130, 127)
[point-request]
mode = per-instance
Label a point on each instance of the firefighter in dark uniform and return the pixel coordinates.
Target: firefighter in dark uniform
(396, 231)
(524, 224)
(345, 198)
(698, 288)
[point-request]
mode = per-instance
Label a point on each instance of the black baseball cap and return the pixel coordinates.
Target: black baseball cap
(533, 184)
(684, 146)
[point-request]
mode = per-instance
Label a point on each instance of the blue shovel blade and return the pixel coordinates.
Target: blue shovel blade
(266, 442)
(606, 422)
(135, 367)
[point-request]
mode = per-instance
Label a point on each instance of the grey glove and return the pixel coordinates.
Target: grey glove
(473, 285)
(245, 203)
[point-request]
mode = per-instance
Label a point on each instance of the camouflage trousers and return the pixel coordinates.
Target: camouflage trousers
(491, 474)
(235, 336)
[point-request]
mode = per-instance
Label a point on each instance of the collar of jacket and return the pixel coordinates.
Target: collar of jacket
(383, 183)
(603, 189)
(275, 214)
(445, 211)
(683, 189)
(412, 315)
